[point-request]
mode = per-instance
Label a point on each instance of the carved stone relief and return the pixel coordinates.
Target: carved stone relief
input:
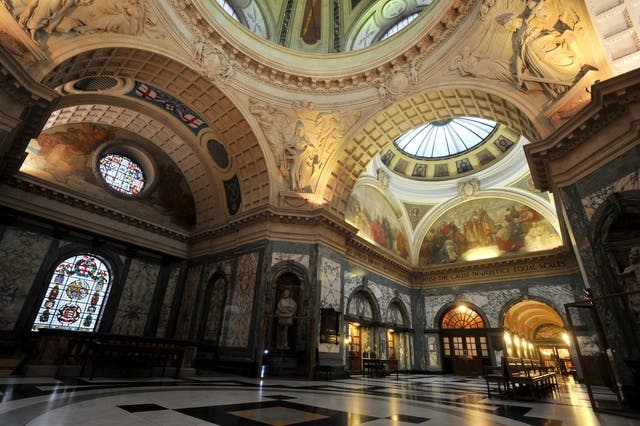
(211, 60)
(400, 82)
(469, 189)
(302, 139)
(43, 17)
(533, 45)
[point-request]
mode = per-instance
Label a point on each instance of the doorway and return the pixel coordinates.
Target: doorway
(464, 342)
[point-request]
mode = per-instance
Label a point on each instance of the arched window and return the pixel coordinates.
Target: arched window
(76, 294)
(462, 317)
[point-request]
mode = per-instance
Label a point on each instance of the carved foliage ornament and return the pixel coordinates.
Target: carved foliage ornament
(211, 60)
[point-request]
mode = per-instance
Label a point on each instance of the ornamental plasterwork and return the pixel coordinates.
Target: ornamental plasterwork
(211, 60)
(400, 82)
(302, 139)
(469, 188)
(42, 19)
(535, 46)
(440, 31)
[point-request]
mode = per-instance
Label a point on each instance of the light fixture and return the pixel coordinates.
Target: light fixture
(565, 337)
(530, 346)
(507, 338)
(462, 309)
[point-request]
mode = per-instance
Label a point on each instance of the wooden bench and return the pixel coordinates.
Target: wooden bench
(495, 374)
(524, 377)
(126, 353)
(374, 367)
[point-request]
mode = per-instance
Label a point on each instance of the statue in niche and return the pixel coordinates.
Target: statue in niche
(546, 48)
(299, 162)
(285, 311)
(81, 16)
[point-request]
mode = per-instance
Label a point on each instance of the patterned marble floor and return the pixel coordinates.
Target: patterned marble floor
(409, 400)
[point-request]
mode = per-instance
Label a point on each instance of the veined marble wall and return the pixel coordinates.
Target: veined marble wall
(330, 294)
(237, 321)
(135, 301)
(167, 303)
(21, 254)
(191, 286)
(493, 299)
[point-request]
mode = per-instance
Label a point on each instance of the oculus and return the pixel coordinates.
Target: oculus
(122, 174)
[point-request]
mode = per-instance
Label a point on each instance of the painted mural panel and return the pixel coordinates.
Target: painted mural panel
(237, 321)
(486, 228)
(21, 255)
(65, 155)
(167, 302)
(330, 284)
(135, 301)
(376, 220)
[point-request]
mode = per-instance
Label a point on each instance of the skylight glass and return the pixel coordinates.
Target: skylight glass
(445, 138)
(227, 8)
(399, 25)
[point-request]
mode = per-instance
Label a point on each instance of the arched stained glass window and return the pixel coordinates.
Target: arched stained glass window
(462, 317)
(122, 174)
(75, 298)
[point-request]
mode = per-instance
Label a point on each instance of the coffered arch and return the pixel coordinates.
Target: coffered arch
(382, 129)
(100, 109)
(190, 87)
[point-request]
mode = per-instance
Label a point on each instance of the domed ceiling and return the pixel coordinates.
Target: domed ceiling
(326, 27)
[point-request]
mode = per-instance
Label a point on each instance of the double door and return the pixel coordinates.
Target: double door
(464, 353)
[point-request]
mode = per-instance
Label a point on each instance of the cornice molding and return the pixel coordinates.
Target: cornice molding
(555, 262)
(609, 101)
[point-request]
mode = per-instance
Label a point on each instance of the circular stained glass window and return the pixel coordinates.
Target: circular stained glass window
(445, 138)
(122, 174)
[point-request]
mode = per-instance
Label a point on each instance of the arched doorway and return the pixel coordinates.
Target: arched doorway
(464, 341)
(362, 320)
(535, 330)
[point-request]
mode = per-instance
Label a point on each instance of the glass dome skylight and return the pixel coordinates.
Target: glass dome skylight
(445, 138)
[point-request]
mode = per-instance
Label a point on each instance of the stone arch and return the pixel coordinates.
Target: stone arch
(398, 303)
(558, 310)
(368, 297)
(212, 308)
(190, 87)
(356, 151)
(178, 144)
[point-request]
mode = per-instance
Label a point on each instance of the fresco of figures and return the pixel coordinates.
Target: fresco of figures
(64, 155)
(485, 228)
(376, 220)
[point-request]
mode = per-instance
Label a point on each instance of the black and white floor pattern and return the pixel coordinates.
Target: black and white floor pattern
(410, 400)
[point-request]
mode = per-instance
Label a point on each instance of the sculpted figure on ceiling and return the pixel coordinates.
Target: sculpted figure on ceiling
(81, 16)
(533, 45)
(301, 139)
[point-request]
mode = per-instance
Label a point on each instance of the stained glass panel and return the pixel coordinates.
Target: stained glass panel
(122, 174)
(76, 294)
(462, 317)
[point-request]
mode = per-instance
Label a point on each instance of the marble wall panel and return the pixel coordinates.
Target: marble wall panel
(135, 301)
(432, 305)
(167, 302)
(215, 312)
(277, 257)
(191, 285)
(433, 352)
(555, 295)
(491, 302)
(330, 294)
(21, 254)
(237, 321)
(591, 202)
